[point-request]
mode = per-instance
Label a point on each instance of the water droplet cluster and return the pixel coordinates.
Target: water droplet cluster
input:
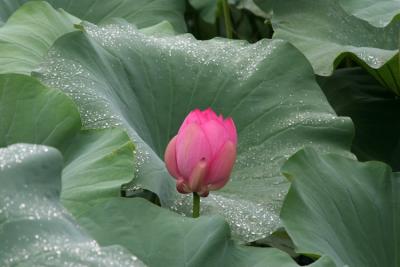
(36, 229)
(215, 52)
(17, 153)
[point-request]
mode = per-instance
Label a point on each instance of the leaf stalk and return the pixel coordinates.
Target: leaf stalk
(196, 205)
(227, 19)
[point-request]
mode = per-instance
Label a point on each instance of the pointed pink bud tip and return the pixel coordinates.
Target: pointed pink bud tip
(201, 156)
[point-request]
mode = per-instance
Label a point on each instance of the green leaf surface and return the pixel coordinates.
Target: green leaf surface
(374, 110)
(326, 34)
(142, 13)
(163, 238)
(97, 162)
(33, 113)
(342, 208)
(29, 33)
(379, 13)
(149, 84)
(35, 230)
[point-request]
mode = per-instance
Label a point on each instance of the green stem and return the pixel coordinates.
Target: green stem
(227, 19)
(196, 205)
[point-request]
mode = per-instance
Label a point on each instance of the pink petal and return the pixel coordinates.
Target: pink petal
(170, 158)
(182, 187)
(191, 147)
(197, 177)
(231, 129)
(221, 166)
(216, 134)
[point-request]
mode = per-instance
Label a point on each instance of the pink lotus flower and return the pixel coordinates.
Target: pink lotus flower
(201, 156)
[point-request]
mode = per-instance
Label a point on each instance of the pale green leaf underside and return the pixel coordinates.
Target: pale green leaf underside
(97, 162)
(119, 76)
(342, 208)
(29, 33)
(33, 28)
(379, 13)
(35, 230)
(142, 13)
(326, 34)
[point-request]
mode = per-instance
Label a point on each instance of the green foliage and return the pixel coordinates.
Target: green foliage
(373, 109)
(97, 162)
(35, 229)
(20, 50)
(347, 210)
(178, 74)
(143, 13)
(206, 19)
(173, 240)
(339, 36)
(25, 103)
(378, 13)
(91, 92)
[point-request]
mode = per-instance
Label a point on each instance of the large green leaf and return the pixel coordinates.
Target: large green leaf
(142, 13)
(97, 162)
(162, 238)
(35, 230)
(342, 208)
(379, 13)
(33, 113)
(119, 76)
(33, 28)
(373, 109)
(28, 34)
(326, 34)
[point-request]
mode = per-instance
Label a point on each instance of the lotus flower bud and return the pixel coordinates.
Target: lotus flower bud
(201, 156)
